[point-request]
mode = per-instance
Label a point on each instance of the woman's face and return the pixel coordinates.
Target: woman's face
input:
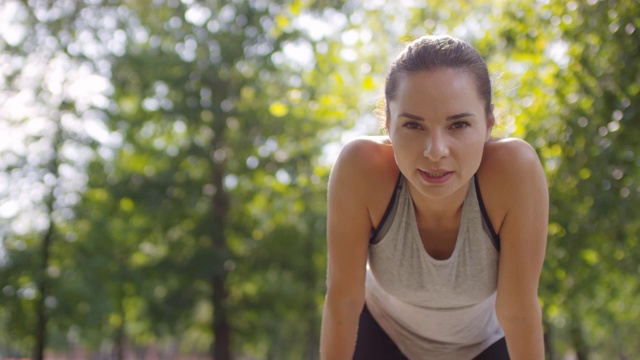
(438, 128)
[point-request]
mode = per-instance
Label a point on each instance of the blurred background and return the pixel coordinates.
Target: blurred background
(163, 165)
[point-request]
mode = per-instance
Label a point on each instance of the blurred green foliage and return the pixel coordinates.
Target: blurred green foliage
(178, 152)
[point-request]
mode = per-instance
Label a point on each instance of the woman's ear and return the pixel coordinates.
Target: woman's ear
(491, 120)
(387, 120)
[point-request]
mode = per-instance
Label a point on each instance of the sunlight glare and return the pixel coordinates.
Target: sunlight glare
(11, 14)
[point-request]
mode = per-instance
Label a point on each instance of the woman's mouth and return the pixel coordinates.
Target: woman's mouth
(436, 176)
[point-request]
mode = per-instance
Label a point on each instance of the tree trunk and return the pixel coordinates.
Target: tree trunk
(43, 289)
(312, 350)
(577, 338)
(221, 328)
(47, 240)
(119, 335)
(548, 341)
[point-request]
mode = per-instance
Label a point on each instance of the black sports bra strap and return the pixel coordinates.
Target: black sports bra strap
(387, 219)
(486, 222)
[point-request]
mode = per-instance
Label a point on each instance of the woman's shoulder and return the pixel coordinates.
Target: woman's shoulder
(367, 153)
(369, 142)
(507, 158)
(366, 172)
(510, 168)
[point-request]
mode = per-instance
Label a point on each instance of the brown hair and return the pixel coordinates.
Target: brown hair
(433, 52)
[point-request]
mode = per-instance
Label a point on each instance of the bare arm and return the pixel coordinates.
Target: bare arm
(348, 230)
(523, 234)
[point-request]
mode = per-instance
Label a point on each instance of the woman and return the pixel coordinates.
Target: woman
(436, 233)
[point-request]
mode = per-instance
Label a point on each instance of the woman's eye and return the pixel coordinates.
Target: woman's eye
(460, 125)
(412, 125)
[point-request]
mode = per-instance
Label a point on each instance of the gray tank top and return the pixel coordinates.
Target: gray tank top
(435, 309)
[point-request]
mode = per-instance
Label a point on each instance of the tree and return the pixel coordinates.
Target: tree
(194, 130)
(184, 147)
(595, 227)
(41, 106)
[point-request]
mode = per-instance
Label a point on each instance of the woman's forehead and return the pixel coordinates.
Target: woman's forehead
(436, 88)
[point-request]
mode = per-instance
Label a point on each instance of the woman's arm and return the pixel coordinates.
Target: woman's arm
(524, 198)
(348, 228)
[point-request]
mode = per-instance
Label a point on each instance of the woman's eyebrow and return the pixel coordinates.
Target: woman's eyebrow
(460, 116)
(411, 116)
(449, 118)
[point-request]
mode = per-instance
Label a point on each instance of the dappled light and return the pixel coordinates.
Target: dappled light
(164, 165)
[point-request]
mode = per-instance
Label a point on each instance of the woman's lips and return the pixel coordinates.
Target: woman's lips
(437, 176)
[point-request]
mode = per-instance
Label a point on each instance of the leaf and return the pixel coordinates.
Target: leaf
(278, 109)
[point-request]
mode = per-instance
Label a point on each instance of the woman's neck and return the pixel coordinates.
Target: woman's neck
(445, 210)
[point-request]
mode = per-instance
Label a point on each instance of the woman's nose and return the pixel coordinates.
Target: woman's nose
(436, 147)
